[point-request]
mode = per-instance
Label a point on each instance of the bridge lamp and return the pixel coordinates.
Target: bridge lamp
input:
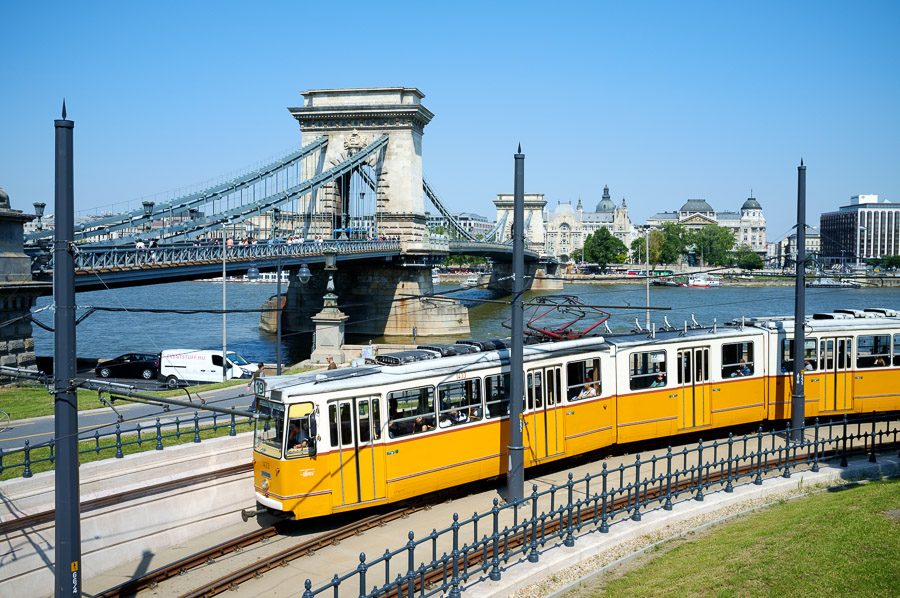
(253, 273)
(304, 275)
(39, 212)
(148, 212)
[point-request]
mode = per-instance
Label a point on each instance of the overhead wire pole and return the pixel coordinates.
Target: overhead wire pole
(68, 502)
(798, 396)
(515, 476)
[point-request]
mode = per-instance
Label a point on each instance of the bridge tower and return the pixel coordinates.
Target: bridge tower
(352, 118)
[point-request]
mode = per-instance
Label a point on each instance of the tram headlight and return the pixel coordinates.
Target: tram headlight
(265, 484)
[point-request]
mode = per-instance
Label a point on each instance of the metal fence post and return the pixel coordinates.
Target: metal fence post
(533, 554)
(636, 513)
(307, 585)
(729, 487)
(361, 569)
(454, 555)
(815, 466)
(759, 453)
(26, 472)
(119, 453)
(787, 452)
(196, 427)
(844, 450)
(232, 431)
(699, 495)
(570, 539)
(668, 504)
(159, 444)
(604, 524)
(872, 452)
(495, 562)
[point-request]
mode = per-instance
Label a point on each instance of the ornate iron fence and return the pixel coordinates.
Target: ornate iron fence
(474, 548)
(114, 443)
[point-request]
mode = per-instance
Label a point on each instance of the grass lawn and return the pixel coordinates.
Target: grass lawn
(835, 543)
(34, 401)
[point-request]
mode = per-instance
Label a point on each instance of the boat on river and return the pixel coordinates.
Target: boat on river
(826, 282)
(702, 281)
(471, 281)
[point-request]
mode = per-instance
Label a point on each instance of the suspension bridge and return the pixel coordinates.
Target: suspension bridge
(355, 188)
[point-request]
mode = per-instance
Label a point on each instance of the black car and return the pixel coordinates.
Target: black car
(130, 365)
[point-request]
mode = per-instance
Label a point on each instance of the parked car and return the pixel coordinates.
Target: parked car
(189, 366)
(130, 365)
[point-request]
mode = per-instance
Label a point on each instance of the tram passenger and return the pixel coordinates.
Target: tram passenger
(420, 425)
(743, 369)
(590, 386)
(660, 380)
(808, 366)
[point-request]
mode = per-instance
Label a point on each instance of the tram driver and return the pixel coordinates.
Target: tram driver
(299, 438)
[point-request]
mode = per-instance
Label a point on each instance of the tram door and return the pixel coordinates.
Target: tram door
(544, 422)
(835, 357)
(693, 378)
(355, 425)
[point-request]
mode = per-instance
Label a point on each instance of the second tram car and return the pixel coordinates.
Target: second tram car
(356, 437)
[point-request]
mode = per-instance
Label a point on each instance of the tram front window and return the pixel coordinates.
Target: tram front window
(268, 435)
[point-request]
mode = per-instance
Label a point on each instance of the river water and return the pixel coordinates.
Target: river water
(107, 334)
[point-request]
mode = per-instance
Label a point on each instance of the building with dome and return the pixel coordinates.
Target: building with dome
(748, 225)
(566, 228)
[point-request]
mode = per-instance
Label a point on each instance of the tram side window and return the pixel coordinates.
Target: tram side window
(648, 369)
(410, 411)
(496, 394)
(583, 379)
(342, 420)
(810, 361)
(737, 359)
(897, 349)
(873, 351)
(460, 402)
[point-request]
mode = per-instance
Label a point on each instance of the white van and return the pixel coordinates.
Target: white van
(188, 366)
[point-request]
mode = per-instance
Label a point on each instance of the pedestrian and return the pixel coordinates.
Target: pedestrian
(331, 364)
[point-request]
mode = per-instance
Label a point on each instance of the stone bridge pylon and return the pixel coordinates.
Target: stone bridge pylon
(353, 118)
(379, 297)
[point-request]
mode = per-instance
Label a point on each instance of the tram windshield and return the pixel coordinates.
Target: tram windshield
(268, 436)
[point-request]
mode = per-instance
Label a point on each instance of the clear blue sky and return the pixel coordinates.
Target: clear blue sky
(662, 101)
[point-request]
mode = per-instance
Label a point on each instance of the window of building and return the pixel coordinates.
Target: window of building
(648, 369)
(583, 379)
(737, 359)
(410, 411)
(873, 351)
(810, 360)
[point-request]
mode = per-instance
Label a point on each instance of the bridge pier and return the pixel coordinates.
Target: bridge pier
(380, 299)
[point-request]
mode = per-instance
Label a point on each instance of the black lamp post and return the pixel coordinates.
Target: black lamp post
(148, 213)
(39, 212)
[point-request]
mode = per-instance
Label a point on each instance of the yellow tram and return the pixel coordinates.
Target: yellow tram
(357, 437)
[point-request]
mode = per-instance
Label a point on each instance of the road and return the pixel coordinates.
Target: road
(41, 430)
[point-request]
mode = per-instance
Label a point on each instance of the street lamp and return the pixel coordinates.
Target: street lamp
(148, 213)
(39, 212)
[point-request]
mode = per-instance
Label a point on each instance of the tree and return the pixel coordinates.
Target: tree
(714, 243)
(603, 248)
(747, 259)
(576, 255)
(639, 245)
(675, 243)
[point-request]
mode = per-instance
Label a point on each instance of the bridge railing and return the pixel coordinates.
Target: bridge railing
(483, 546)
(95, 258)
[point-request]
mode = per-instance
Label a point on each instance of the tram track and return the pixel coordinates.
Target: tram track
(279, 559)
